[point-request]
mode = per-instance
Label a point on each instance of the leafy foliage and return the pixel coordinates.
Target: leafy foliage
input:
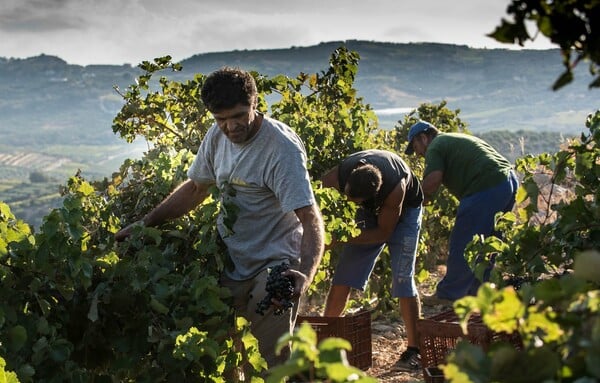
(557, 215)
(170, 118)
(573, 25)
(78, 306)
(555, 308)
(7, 376)
(309, 362)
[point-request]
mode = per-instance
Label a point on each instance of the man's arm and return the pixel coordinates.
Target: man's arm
(182, 200)
(388, 217)
(331, 179)
(311, 249)
(431, 184)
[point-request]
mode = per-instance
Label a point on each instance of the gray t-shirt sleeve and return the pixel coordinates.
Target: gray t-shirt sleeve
(202, 169)
(289, 178)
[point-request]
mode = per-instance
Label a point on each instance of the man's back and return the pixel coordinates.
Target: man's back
(393, 169)
(469, 164)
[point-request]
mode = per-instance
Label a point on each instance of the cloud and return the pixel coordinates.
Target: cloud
(129, 31)
(35, 16)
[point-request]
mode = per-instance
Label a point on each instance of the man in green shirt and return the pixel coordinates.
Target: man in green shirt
(479, 177)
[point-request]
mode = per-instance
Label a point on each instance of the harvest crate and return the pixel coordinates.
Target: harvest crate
(433, 375)
(439, 334)
(355, 328)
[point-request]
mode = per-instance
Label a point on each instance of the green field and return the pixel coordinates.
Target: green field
(30, 181)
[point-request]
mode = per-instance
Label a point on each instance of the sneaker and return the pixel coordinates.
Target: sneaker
(410, 360)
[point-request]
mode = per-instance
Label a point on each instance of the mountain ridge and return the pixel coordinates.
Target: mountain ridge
(484, 84)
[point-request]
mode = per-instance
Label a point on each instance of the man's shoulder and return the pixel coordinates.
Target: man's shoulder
(282, 133)
(444, 139)
(450, 135)
(278, 125)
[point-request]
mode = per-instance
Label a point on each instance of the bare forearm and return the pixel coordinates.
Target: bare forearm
(184, 199)
(430, 185)
(387, 219)
(429, 190)
(369, 236)
(330, 179)
(312, 246)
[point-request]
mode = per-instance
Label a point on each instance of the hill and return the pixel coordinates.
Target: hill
(56, 118)
(495, 89)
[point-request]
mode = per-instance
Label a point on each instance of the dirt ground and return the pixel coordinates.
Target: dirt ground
(388, 340)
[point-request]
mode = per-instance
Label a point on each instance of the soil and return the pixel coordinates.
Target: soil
(388, 339)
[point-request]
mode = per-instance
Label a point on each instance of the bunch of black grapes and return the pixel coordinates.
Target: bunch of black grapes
(279, 287)
(516, 281)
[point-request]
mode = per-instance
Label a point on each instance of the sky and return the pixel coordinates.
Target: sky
(119, 32)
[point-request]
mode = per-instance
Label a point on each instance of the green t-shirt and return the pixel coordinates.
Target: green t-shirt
(469, 164)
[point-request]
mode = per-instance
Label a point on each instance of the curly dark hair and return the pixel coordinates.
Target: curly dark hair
(364, 182)
(228, 87)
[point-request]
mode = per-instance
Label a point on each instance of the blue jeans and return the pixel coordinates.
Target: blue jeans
(475, 216)
(357, 261)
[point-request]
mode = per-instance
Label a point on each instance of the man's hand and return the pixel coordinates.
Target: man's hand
(283, 285)
(300, 286)
(122, 234)
(301, 283)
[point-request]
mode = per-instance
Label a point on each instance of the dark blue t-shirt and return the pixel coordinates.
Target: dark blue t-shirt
(393, 169)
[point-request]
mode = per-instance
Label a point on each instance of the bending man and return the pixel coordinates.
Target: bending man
(480, 178)
(390, 200)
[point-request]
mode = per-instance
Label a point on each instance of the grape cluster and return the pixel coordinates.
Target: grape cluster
(516, 281)
(279, 287)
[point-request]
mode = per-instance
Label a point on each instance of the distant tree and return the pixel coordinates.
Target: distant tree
(573, 25)
(38, 177)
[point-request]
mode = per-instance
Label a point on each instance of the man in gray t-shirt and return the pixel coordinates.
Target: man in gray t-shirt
(259, 165)
(266, 178)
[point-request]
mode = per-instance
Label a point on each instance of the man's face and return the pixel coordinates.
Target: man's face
(238, 123)
(419, 144)
(356, 200)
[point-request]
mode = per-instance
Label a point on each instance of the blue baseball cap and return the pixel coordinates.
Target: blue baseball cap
(416, 129)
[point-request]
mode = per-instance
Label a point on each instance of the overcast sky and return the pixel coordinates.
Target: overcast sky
(130, 31)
